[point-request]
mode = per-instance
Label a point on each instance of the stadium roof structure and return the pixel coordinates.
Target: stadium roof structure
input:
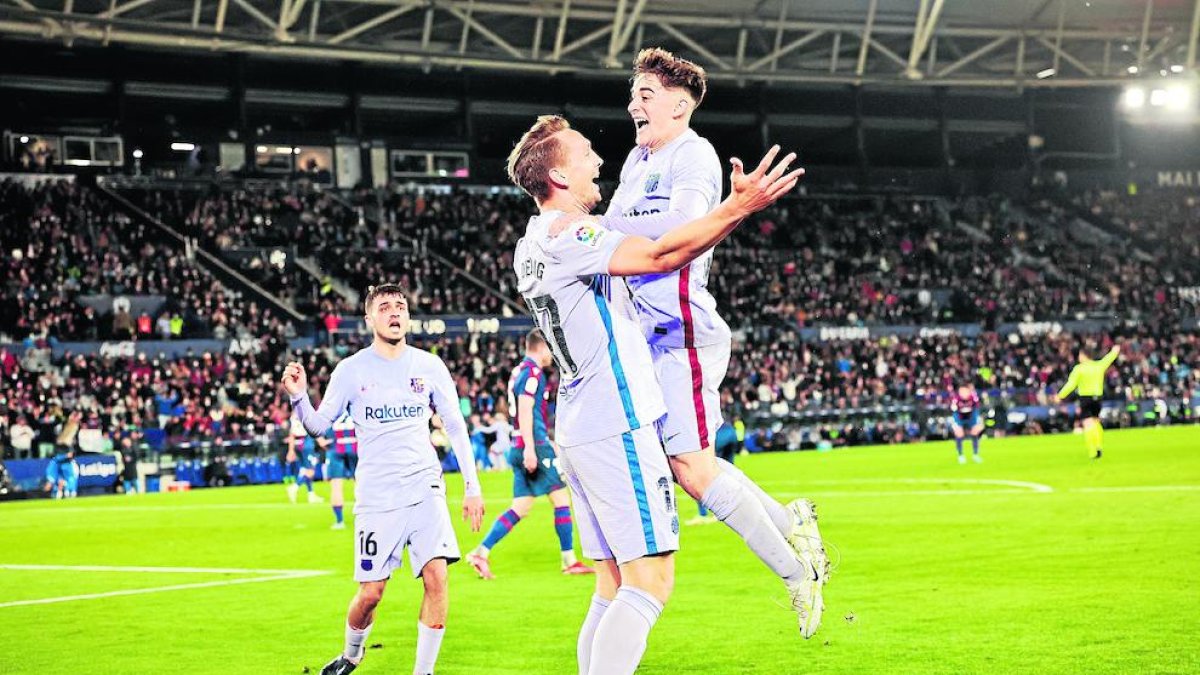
(884, 43)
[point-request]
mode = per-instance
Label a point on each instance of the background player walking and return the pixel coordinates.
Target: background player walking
(534, 462)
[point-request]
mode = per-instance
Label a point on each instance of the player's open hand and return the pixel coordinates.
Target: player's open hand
(473, 512)
(760, 188)
(294, 379)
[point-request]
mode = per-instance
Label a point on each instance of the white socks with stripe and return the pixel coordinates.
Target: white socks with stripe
(736, 506)
(623, 631)
(588, 632)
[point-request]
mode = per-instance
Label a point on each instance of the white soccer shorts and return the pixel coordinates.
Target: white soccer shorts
(380, 538)
(624, 496)
(691, 384)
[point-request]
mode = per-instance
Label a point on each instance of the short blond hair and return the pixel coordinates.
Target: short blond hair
(537, 151)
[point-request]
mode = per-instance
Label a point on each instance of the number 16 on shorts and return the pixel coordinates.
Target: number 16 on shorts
(367, 549)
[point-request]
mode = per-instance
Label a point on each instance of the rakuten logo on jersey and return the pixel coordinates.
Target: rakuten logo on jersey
(394, 413)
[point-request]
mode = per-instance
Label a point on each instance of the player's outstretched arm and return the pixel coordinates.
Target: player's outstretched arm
(751, 192)
(445, 402)
(316, 421)
(1111, 356)
(1072, 382)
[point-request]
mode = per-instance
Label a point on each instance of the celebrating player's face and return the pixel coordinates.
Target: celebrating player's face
(581, 169)
(656, 110)
(388, 317)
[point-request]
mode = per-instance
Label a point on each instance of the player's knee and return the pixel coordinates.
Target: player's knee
(695, 471)
(369, 595)
(521, 507)
(435, 578)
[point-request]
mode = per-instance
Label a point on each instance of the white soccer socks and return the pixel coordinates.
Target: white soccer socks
(778, 512)
(355, 639)
(588, 632)
(429, 643)
(623, 631)
(736, 506)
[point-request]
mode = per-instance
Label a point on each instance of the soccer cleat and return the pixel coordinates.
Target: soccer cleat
(977, 458)
(808, 605)
(339, 666)
(293, 490)
(314, 498)
(1098, 454)
(338, 526)
(962, 459)
(702, 520)
(805, 540)
(578, 568)
(480, 565)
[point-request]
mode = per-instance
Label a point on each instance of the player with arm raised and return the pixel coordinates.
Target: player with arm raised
(391, 391)
(534, 462)
(965, 419)
(1087, 378)
(570, 271)
(672, 176)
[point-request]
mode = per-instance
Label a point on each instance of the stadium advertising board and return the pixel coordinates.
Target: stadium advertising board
(96, 471)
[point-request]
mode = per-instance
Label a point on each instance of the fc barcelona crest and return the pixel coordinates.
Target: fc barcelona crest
(417, 384)
(652, 182)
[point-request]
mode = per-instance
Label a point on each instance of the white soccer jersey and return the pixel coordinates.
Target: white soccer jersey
(606, 379)
(391, 402)
(681, 181)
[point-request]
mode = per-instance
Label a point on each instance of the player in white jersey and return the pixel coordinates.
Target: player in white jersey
(671, 177)
(570, 271)
(391, 391)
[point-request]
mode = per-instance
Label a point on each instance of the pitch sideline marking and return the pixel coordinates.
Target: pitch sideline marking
(272, 575)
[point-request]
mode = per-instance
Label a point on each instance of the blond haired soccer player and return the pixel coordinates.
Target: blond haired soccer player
(672, 176)
(391, 391)
(1087, 379)
(571, 271)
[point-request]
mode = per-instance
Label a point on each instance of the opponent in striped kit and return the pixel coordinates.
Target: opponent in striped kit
(673, 176)
(534, 461)
(391, 391)
(340, 461)
(571, 272)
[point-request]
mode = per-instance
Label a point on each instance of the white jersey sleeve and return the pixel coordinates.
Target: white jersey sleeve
(333, 404)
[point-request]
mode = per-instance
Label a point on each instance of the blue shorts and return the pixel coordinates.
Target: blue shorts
(309, 459)
(967, 422)
(340, 465)
(541, 482)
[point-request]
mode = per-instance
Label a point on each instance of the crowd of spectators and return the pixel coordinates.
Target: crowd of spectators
(840, 261)
(60, 241)
(234, 397)
(778, 376)
(346, 245)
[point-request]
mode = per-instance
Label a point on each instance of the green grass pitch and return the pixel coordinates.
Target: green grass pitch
(1038, 560)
